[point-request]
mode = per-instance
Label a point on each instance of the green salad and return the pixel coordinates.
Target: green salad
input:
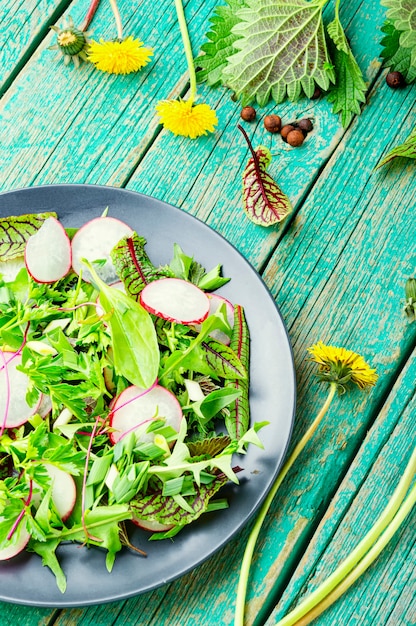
(123, 388)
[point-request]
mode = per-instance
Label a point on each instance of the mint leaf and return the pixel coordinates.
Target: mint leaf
(220, 45)
(349, 89)
(395, 56)
(281, 51)
(406, 149)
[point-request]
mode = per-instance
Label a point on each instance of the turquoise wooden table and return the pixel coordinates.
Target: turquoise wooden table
(337, 268)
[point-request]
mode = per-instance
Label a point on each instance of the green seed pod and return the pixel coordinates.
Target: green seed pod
(71, 41)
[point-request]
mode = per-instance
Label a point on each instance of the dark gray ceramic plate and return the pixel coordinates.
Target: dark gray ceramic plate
(24, 580)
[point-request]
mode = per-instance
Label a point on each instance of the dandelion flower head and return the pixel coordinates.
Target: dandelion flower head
(119, 57)
(184, 118)
(341, 366)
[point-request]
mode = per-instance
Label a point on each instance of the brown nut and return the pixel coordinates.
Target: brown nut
(305, 124)
(248, 114)
(272, 123)
(395, 80)
(286, 130)
(295, 138)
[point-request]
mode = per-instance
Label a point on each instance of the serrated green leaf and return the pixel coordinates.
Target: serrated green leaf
(395, 56)
(16, 230)
(220, 45)
(263, 200)
(402, 14)
(281, 50)
(47, 550)
(406, 149)
(349, 89)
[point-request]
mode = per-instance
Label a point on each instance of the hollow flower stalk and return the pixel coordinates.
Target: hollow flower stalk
(338, 367)
(184, 117)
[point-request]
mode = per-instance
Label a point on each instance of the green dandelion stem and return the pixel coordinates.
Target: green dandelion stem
(187, 46)
(90, 14)
(117, 17)
(362, 556)
(251, 542)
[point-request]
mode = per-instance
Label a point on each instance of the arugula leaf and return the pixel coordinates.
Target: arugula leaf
(406, 149)
(221, 43)
(349, 89)
(47, 550)
(133, 265)
(396, 57)
(281, 51)
(402, 14)
(185, 267)
(16, 230)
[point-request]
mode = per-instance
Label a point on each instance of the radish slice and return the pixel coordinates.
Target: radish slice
(18, 545)
(64, 491)
(175, 300)
(48, 252)
(215, 301)
(14, 410)
(94, 241)
(155, 527)
(137, 407)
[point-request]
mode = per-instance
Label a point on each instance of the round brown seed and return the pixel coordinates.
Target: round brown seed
(272, 123)
(305, 124)
(395, 80)
(248, 114)
(295, 138)
(286, 130)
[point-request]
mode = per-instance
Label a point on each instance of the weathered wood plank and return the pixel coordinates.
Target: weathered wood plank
(360, 499)
(24, 24)
(96, 124)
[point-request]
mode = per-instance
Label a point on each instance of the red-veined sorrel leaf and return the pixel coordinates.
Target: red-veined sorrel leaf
(238, 419)
(134, 266)
(263, 200)
(16, 230)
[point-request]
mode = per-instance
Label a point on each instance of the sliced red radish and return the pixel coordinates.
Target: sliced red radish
(175, 300)
(136, 407)
(14, 410)
(94, 242)
(215, 301)
(153, 526)
(48, 252)
(18, 542)
(64, 491)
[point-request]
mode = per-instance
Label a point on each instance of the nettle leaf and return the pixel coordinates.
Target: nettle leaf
(220, 45)
(281, 51)
(406, 149)
(133, 265)
(263, 200)
(395, 56)
(349, 89)
(16, 230)
(238, 419)
(166, 510)
(402, 14)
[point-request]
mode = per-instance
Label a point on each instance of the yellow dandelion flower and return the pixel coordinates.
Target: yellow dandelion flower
(184, 118)
(119, 57)
(340, 366)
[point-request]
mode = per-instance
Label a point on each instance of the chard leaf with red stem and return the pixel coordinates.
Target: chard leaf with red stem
(263, 200)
